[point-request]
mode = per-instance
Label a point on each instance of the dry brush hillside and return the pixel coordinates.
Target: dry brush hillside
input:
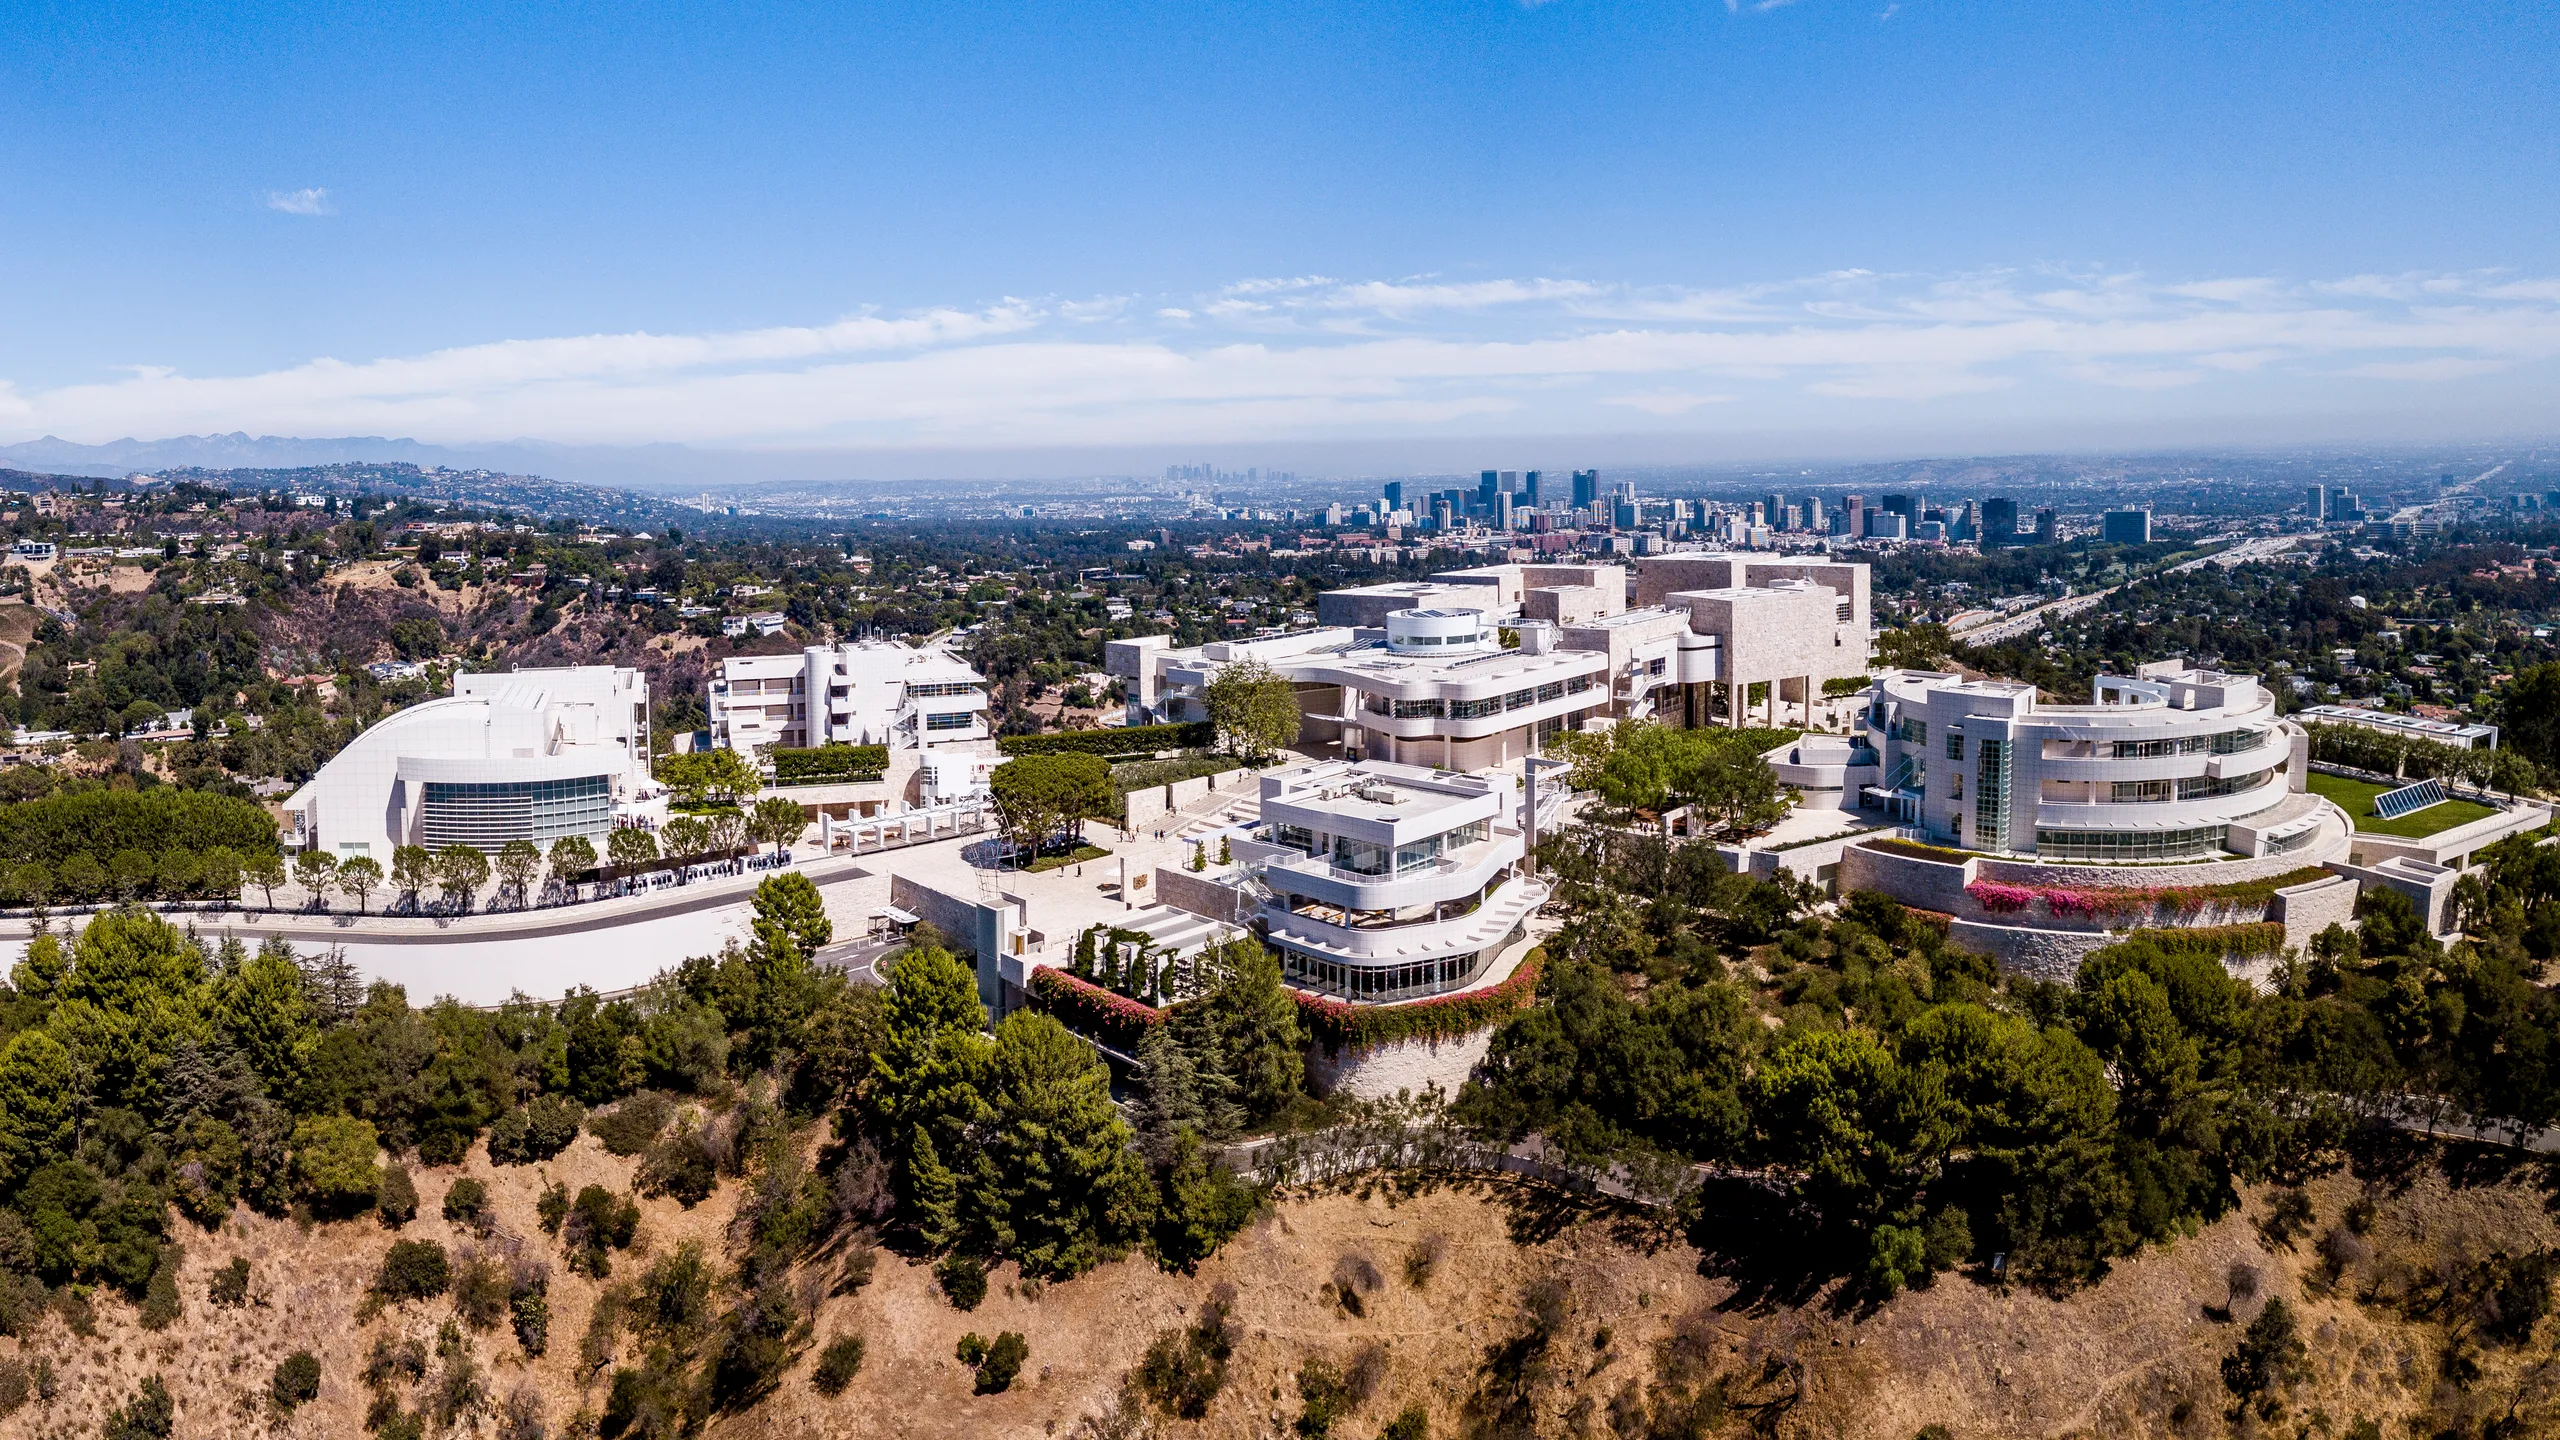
(1535, 1319)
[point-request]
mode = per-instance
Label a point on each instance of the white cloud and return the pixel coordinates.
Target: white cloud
(1316, 357)
(1666, 402)
(313, 200)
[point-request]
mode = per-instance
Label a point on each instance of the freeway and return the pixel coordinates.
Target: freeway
(1993, 630)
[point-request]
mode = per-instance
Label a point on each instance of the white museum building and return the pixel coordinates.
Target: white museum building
(1380, 882)
(861, 692)
(516, 755)
(2172, 763)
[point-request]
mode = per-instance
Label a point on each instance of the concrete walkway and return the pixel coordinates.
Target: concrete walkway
(483, 958)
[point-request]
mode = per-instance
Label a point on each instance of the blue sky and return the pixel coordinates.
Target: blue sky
(1053, 225)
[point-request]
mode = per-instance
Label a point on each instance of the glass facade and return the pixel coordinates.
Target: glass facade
(486, 815)
(1381, 982)
(2186, 844)
(1991, 795)
(2228, 742)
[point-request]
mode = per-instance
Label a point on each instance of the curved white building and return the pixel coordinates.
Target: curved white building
(524, 755)
(1384, 882)
(2175, 763)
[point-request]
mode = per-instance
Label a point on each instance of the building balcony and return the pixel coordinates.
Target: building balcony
(1479, 928)
(2159, 814)
(1446, 877)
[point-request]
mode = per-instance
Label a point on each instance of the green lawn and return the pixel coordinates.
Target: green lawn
(1081, 854)
(2356, 798)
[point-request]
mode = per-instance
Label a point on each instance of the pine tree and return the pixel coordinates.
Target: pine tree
(1054, 1183)
(1259, 1029)
(933, 1193)
(1167, 1096)
(932, 1056)
(36, 1104)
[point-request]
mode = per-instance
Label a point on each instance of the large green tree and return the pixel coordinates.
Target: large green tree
(1055, 1184)
(932, 1058)
(1038, 797)
(1254, 708)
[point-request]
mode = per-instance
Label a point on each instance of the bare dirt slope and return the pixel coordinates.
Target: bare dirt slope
(1643, 1334)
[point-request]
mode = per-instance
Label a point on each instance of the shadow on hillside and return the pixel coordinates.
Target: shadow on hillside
(1765, 1245)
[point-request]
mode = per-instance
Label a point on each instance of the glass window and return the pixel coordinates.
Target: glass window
(2132, 845)
(1359, 856)
(1418, 709)
(2139, 792)
(1417, 854)
(953, 720)
(1955, 746)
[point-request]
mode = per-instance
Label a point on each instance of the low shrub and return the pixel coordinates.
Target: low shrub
(230, 1285)
(149, 1415)
(1424, 1258)
(551, 1208)
(481, 1295)
(16, 1384)
(597, 1224)
(837, 1365)
(998, 1361)
(1185, 1368)
(679, 1166)
(1411, 1423)
(296, 1382)
(395, 1197)
(466, 1202)
(530, 1134)
(160, 1304)
(413, 1270)
(628, 1128)
(963, 1279)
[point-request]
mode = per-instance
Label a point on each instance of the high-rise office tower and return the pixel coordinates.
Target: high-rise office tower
(1814, 520)
(1511, 481)
(1586, 489)
(1395, 496)
(1900, 505)
(1443, 515)
(1529, 490)
(1501, 509)
(1854, 511)
(2317, 502)
(1486, 488)
(1777, 511)
(1625, 515)
(2126, 527)
(2048, 527)
(1999, 522)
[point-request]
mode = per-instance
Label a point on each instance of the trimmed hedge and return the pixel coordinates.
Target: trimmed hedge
(829, 762)
(100, 823)
(1337, 1023)
(2213, 942)
(1082, 1005)
(1917, 851)
(1120, 740)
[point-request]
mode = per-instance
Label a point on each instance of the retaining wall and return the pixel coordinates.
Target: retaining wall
(1380, 1072)
(1203, 893)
